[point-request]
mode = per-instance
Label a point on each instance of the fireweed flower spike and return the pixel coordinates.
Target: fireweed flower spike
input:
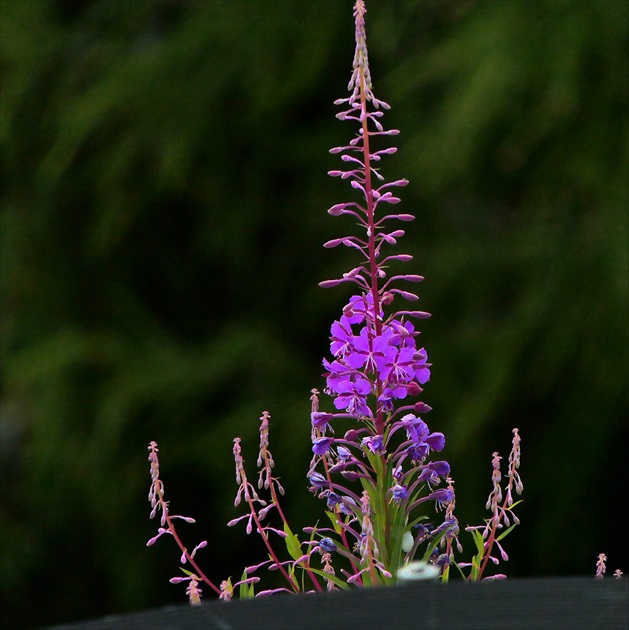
(376, 361)
(389, 498)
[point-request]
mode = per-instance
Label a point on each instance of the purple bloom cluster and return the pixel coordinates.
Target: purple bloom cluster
(376, 360)
(384, 362)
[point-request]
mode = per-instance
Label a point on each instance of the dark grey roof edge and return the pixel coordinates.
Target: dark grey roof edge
(568, 603)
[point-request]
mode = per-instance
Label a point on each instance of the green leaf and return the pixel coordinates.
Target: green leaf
(335, 522)
(505, 532)
(479, 541)
(293, 545)
(333, 578)
(246, 591)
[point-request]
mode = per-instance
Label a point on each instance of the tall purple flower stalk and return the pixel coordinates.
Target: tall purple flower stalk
(377, 366)
(376, 360)
(372, 461)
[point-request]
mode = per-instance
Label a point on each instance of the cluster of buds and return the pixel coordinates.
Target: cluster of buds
(501, 507)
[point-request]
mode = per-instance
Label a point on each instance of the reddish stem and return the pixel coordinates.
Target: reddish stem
(189, 558)
(371, 234)
(276, 502)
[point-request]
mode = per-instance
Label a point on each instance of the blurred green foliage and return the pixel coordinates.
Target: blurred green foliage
(163, 208)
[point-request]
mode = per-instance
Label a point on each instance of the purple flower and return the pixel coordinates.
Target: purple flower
(403, 333)
(336, 374)
(433, 471)
(443, 495)
(450, 526)
(358, 307)
(441, 468)
(333, 499)
(317, 480)
(320, 419)
(328, 545)
(341, 337)
(368, 351)
(385, 400)
(443, 560)
(436, 441)
(429, 475)
(344, 503)
(398, 472)
(343, 453)
(399, 493)
(374, 443)
(416, 429)
(418, 452)
(321, 445)
(399, 365)
(422, 372)
(352, 396)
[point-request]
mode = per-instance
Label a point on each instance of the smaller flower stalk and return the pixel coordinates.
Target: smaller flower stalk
(255, 516)
(601, 568)
(167, 526)
(490, 535)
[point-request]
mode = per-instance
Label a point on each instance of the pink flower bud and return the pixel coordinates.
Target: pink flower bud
(337, 209)
(388, 198)
(178, 580)
(335, 242)
(414, 389)
(407, 295)
(326, 284)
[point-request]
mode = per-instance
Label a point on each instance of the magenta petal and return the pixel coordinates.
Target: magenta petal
(436, 441)
(356, 360)
(423, 375)
(345, 387)
(363, 386)
(361, 341)
(321, 445)
(399, 392)
(441, 468)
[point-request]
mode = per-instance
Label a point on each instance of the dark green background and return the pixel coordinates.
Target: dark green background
(164, 197)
